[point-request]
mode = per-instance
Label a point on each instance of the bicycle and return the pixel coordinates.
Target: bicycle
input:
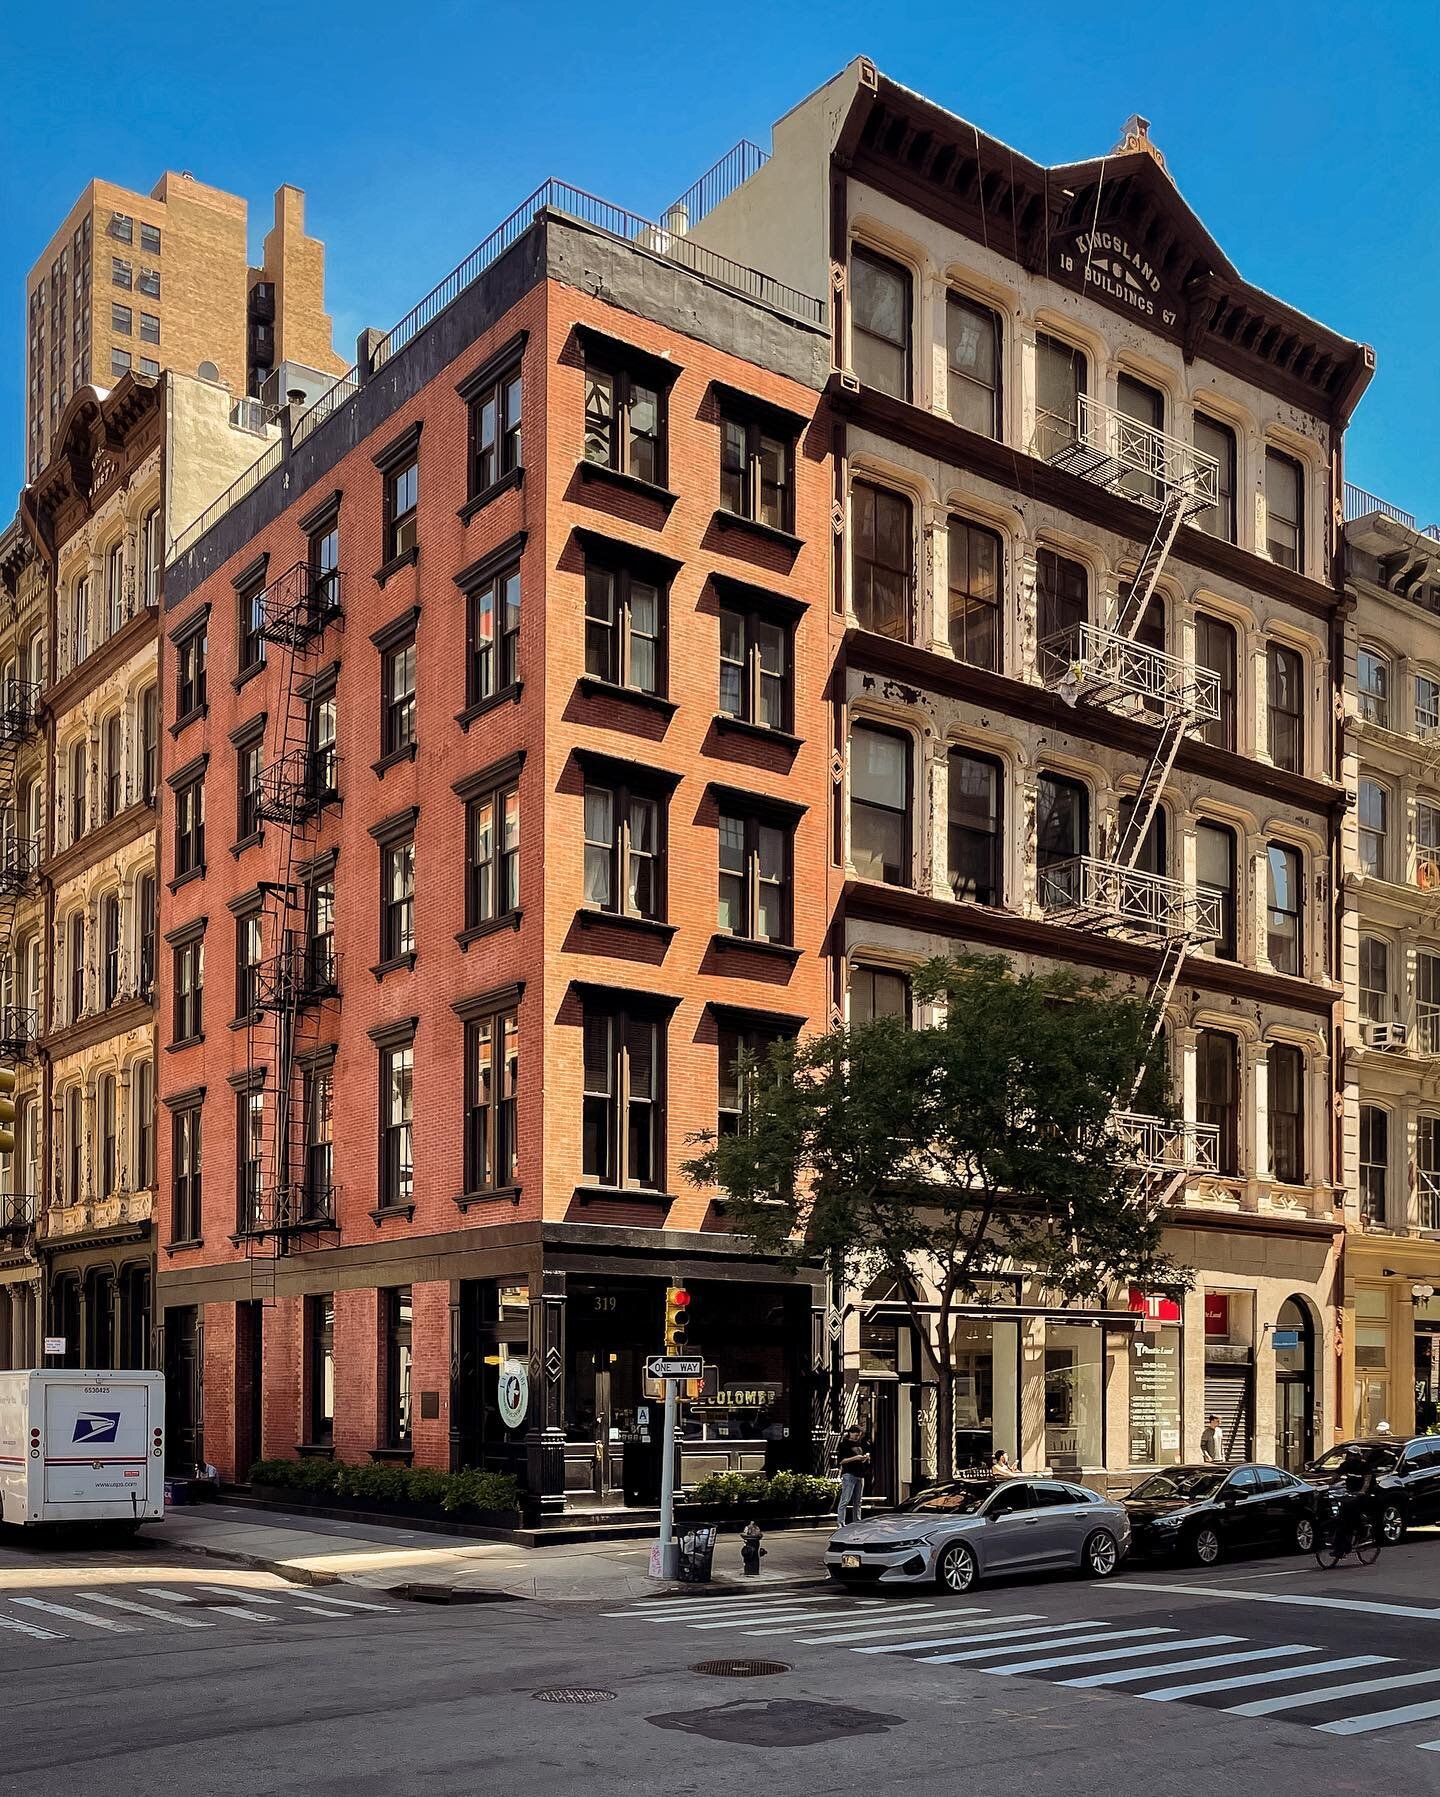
(1332, 1545)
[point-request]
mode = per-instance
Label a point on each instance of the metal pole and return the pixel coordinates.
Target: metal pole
(669, 1555)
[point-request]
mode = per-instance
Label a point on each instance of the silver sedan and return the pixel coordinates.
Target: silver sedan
(955, 1534)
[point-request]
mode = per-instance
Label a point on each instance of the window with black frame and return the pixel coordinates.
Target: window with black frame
(974, 839)
(1062, 597)
(250, 627)
(190, 826)
(1284, 899)
(1285, 670)
(1286, 1110)
(1217, 1093)
(973, 339)
(882, 561)
(397, 1124)
(975, 562)
(493, 615)
(622, 1106)
(494, 430)
(492, 1078)
(624, 849)
(1215, 649)
(249, 950)
(755, 668)
(755, 856)
(397, 899)
(402, 509)
(1215, 860)
(249, 760)
(624, 626)
(757, 470)
(250, 1156)
(110, 943)
(1215, 439)
(879, 992)
(880, 847)
(625, 420)
(320, 1142)
(320, 1369)
(190, 673)
(880, 327)
(493, 866)
(1062, 837)
(189, 990)
(398, 1312)
(397, 698)
(743, 1051)
(185, 1175)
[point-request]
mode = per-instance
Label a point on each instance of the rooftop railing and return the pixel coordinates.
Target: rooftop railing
(733, 170)
(1362, 504)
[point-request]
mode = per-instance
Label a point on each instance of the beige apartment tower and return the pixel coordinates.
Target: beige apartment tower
(163, 280)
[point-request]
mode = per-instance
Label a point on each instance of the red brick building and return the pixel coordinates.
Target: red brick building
(495, 807)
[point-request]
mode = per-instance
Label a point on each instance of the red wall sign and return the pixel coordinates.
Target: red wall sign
(1217, 1313)
(1151, 1304)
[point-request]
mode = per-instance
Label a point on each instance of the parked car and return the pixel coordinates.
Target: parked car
(1407, 1469)
(1204, 1512)
(966, 1530)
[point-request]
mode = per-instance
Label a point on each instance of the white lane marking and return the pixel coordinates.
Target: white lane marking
(1355, 1605)
(237, 1591)
(316, 1610)
(1367, 1724)
(699, 1607)
(94, 1622)
(752, 1600)
(1127, 1674)
(798, 1618)
(1066, 1640)
(1112, 1653)
(1267, 1706)
(124, 1603)
(171, 1597)
(989, 1634)
(1315, 1669)
(28, 1628)
(916, 1613)
(322, 1596)
(874, 1634)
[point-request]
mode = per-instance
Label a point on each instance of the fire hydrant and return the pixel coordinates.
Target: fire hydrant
(751, 1552)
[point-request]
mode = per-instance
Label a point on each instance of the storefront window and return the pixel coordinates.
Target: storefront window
(1155, 1398)
(1427, 1365)
(1074, 1397)
(1372, 1359)
(987, 1408)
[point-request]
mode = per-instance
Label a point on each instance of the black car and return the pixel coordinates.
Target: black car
(1204, 1512)
(1407, 1478)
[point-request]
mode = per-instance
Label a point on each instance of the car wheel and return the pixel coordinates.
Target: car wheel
(956, 1569)
(1205, 1545)
(1100, 1555)
(1392, 1525)
(1304, 1535)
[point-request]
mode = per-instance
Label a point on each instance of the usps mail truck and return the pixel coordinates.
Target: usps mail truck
(81, 1447)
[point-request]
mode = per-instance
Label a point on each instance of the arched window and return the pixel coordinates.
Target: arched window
(114, 768)
(1284, 901)
(76, 935)
(115, 588)
(78, 772)
(1374, 1163)
(1286, 1105)
(152, 555)
(142, 1106)
(1374, 979)
(1372, 686)
(106, 1145)
(149, 715)
(80, 621)
(1217, 1094)
(74, 1138)
(110, 937)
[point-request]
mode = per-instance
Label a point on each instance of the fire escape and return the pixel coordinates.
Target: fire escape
(1112, 667)
(20, 720)
(283, 1207)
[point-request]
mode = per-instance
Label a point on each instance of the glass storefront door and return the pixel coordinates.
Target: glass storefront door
(987, 1392)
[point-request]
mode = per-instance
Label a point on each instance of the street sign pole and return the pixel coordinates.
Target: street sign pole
(666, 1563)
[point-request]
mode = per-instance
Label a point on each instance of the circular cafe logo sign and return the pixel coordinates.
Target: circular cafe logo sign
(514, 1393)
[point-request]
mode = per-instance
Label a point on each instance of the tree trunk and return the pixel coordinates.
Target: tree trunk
(945, 1421)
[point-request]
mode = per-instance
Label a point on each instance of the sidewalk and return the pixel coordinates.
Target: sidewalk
(313, 1550)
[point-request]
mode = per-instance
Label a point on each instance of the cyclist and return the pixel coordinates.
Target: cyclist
(1357, 1480)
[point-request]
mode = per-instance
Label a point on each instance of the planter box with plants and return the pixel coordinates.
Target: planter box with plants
(743, 1495)
(479, 1497)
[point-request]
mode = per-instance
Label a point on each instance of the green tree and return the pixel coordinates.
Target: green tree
(949, 1156)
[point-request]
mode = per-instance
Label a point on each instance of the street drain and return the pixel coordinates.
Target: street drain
(573, 1694)
(740, 1668)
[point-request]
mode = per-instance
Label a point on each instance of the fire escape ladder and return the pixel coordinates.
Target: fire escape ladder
(1147, 800)
(1179, 502)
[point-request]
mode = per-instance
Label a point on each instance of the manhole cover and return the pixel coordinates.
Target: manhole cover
(572, 1694)
(740, 1668)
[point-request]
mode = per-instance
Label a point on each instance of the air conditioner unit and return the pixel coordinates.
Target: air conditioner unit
(1389, 1036)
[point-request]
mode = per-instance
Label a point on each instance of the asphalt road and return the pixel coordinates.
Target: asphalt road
(140, 1670)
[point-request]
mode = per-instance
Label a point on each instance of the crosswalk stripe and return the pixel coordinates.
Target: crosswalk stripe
(70, 1615)
(347, 1603)
(872, 1634)
(1315, 1669)
(1367, 1724)
(743, 1622)
(238, 1591)
(1061, 1638)
(1267, 1706)
(125, 1603)
(1090, 1680)
(756, 1611)
(1352, 1605)
(749, 1600)
(170, 1597)
(956, 1640)
(916, 1613)
(1111, 1653)
(28, 1628)
(319, 1610)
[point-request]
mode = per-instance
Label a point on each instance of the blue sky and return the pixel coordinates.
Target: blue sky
(1304, 136)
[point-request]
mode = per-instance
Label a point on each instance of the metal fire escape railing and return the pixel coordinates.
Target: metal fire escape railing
(291, 984)
(20, 719)
(1108, 665)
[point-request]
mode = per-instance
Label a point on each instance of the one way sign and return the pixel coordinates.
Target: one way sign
(659, 1366)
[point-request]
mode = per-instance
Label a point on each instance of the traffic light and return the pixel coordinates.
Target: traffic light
(7, 1110)
(677, 1315)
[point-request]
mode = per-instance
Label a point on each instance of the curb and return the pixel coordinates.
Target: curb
(296, 1575)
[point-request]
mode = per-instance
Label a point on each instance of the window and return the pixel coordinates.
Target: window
(1218, 440)
(110, 938)
(1372, 682)
(149, 743)
(149, 239)
(320, 1142)
(121, 274)
(1138, 401)
(148, 365)
(756, 472)
(492, 1068)
(398, 1314)
(878, 992)
(397, 899)
(397, 680)
(149, 328)
(1284, 510)
(250, 1157)
(79, 621)
(755, 669)
(107, 1146)
(1427, 704)
(880, 323)
(494, 612)
(625, 423)
(321, 965)
(1373, 812)
(1283, 875)
(624, 618)
(322, 556)
(880, 804)
(250, 627)
(493, 827)
(974, 556)
(754, 877)
(1154, 856)
(249, 758)
(74, 1145)
(1062, 835)
(185, 1164)
(972, 341)
(975, 842)
(190, 674)
(145, 905)
(320, 1369)
(1427, 844)
(120, 319)
(189, 990)
(119, 362)
(402, 502)
(1374, 979)
(494, 432)
(1062, 601)
(743, 1051)
(1286, 708)
(1215, 869)
(1374, 1163)
(76, 936)
(1287, 1113)
(149, 282)
(323, 767)
(114, 589)
(623, 852)
(249, 949)
(78, 790)
(622, 1105)
(114, 768)
(1217, 1081)
(1215, 650)
(882, 567)
(397, 1155)
(190, 826)
(1059, 385)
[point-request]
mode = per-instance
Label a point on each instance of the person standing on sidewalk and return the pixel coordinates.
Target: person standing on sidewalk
(1210, 1439)
(854, 1459)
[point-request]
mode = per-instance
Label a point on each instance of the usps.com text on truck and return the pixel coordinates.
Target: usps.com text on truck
(78, 1447)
